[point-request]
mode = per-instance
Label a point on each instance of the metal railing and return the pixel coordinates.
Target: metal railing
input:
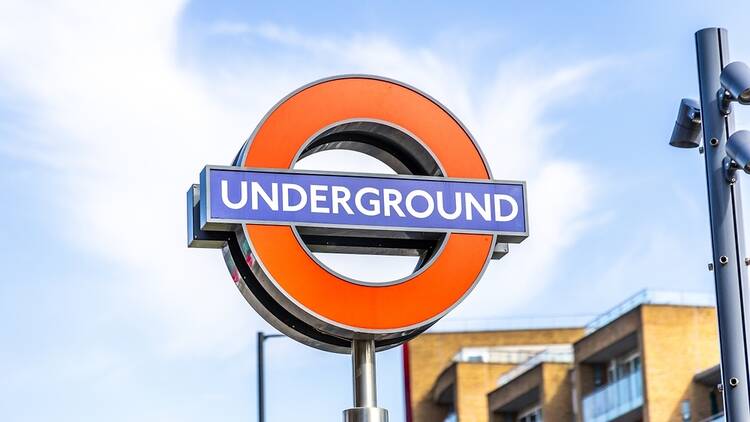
(614, 400)
(555, 354)
(503, 354)
(453, 325)
(719, 417)
(651, 297)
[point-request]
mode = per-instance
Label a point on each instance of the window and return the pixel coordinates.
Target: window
(612, 372)
(621, 367)
(533, 415)
(598, 378)
(714, 401)
(685, 410)
(451, 416)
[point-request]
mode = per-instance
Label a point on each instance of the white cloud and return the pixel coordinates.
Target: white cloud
(133, 125)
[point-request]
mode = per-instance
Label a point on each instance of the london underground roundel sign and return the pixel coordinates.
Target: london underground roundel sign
(442, 205)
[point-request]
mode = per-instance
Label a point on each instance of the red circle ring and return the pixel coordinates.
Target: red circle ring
(311, 291)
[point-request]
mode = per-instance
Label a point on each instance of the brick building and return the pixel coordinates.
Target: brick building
(652, 358)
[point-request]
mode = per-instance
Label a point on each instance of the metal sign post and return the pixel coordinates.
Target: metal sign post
(270, 219)
(364, 385)
(725, 209)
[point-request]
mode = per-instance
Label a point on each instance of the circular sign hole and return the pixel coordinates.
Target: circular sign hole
(365, 146)
(375, 268)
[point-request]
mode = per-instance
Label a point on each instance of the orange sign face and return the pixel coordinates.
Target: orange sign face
(274, 265)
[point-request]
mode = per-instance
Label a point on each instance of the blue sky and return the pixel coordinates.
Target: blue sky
(108, 111)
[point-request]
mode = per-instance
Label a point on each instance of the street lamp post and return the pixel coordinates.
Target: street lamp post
(721, 84)
(262, 337)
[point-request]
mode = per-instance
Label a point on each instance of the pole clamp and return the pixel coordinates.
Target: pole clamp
(730, 170)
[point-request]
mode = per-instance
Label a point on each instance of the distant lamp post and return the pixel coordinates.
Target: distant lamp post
(262, 337)
(725, 151)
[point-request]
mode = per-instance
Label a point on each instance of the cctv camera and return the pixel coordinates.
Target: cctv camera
(738, 149)
(735, 79)
(687, 128)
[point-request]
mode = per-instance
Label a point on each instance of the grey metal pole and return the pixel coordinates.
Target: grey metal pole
(261, 386)
(727, 235)
(364, 385)
(261, 375)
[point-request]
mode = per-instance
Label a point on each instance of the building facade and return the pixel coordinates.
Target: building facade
(536, 387)
(652, 358)
(450, 374)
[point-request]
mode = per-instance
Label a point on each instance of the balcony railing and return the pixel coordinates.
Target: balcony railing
(453, 325)
(719, 417)
(614, 400)
(553, 354)
(503, 354)
(651, 297)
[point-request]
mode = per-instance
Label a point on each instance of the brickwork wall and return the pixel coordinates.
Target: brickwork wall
(557, 402)
(678, 342)
(474, 381)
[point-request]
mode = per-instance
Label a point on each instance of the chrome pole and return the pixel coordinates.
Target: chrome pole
(364, 385)
(363, 366)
